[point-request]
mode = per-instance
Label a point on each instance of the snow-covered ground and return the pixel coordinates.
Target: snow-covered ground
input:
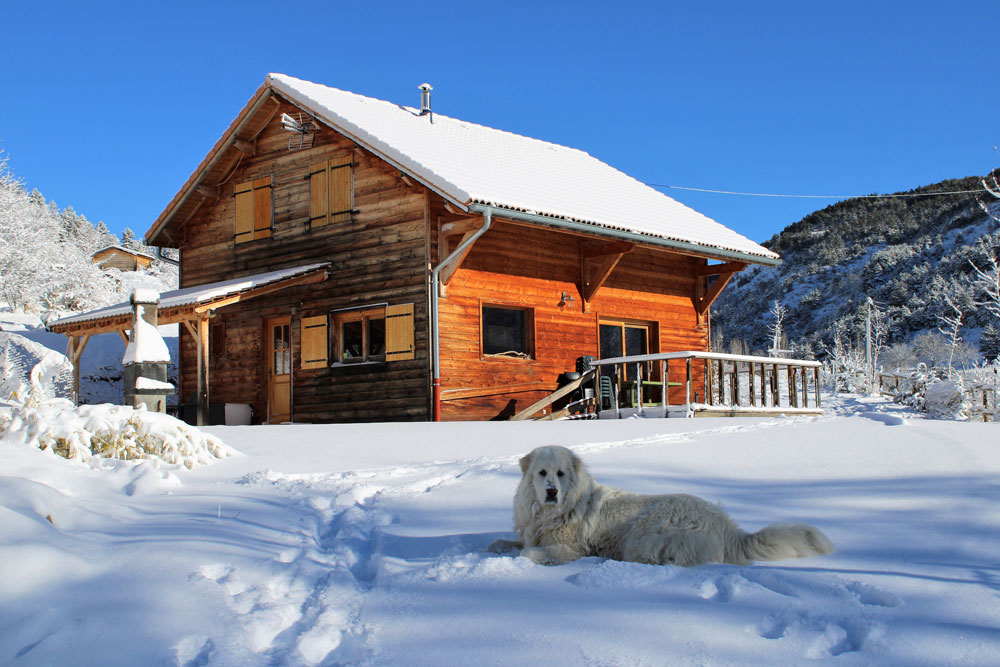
(363, 544)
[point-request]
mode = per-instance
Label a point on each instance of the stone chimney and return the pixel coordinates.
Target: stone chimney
(146, 356)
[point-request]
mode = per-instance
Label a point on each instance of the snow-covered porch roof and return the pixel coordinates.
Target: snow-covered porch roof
(191, 302)
(192, 306)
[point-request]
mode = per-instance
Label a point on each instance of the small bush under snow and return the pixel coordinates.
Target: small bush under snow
(109, 431)
(943, 399)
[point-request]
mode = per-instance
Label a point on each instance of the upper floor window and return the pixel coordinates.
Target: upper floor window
(254, 211)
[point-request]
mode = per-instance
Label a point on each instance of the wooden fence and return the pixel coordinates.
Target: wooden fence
(979, 396)
(714, 385)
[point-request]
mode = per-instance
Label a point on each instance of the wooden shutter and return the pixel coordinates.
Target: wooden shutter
(253, 210)
(319, 194)
(314, 345)
(244, 212)
(399, 332)
(331, 187)
(262, 208)
(341, 188)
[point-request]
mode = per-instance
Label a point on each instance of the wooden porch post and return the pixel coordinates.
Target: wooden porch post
(76, 345)
(202, 371)
(199, 332)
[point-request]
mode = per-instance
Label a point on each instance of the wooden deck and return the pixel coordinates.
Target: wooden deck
(708, 384)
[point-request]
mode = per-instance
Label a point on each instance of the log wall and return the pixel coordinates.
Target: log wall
(379, 256)
(529, 267)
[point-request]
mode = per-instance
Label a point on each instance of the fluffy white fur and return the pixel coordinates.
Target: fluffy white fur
(562, 514)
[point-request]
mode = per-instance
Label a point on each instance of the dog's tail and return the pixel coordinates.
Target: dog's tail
(779, 542)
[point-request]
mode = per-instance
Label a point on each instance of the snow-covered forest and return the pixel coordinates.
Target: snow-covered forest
(45, 255)
(914, 256)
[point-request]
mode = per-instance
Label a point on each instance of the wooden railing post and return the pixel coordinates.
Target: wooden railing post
(763, 385)
(734, 384)
(819, 402)
(805, 387)
(775, 397)
(708, 382)
(722, 382)
(688, 383)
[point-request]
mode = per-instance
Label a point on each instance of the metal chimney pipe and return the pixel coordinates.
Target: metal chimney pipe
(425, 98)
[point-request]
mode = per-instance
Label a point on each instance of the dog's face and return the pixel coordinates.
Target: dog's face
(551, 472)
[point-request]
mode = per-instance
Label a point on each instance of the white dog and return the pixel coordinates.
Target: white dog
(562, 514)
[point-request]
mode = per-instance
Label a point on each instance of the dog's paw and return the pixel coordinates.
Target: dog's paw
(551, 555)
(503, 547)
(540, 555)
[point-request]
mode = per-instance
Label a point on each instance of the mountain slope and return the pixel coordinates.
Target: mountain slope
(906, 253)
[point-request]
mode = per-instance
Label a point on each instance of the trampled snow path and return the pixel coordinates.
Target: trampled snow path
(363, 544)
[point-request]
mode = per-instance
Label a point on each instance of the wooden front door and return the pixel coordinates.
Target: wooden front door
(279, 369)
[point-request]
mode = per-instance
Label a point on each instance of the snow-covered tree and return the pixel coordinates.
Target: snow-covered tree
(779, 343)
(879, 331)
(45, 255)
(951, 323)
(987, 279)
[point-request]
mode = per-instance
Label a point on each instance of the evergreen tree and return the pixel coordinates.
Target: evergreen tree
(989, 343)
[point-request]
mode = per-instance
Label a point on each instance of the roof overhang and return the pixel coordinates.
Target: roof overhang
(594, 229)
(191, 303)
(159, 234)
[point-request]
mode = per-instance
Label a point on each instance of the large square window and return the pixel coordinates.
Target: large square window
(507, 332)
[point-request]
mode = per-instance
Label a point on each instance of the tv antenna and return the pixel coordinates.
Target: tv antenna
(302, 128)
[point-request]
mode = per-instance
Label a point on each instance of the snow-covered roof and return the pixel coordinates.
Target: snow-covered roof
(473, 164)
(122, 249)
(193, 296)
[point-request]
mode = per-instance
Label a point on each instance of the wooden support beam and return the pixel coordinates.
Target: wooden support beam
(449, 271)
(719, 269)
(203, 356)
(244, 146)
(124, 334)
(590, 250)
(75, 351)
(461, 226)
(597, 262)
(702, 304)
(208, 191)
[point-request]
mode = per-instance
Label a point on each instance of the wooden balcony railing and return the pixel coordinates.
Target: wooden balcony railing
(706, 384)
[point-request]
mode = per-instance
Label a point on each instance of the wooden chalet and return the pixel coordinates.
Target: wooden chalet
(399, 264)
(123, 259)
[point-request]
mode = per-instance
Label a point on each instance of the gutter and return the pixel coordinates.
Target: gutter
(633, 237)
(487, 212)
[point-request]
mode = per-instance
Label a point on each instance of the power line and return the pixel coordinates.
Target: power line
(764, 194)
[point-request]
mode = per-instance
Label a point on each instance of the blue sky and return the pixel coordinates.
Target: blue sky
(109, 107)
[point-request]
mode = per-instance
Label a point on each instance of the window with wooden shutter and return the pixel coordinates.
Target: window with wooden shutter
(254, 210)
(314, 342)
(399, 332)
(331, 191)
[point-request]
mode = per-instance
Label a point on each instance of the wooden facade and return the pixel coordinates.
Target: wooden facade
(377, 254)
(522, 267)
(123, 259)
(358, 346)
